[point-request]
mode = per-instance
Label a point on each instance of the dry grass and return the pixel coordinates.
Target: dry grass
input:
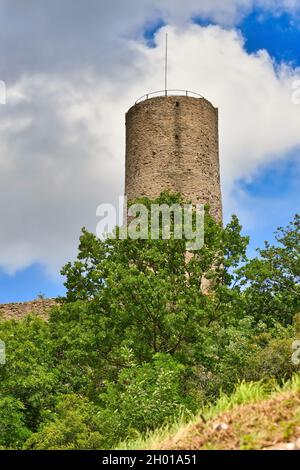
(253, 417)
(250, 426)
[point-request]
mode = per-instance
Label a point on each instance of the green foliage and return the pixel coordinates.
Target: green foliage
(138, 342)
(273, 278)
(28, 374)
(82, 337)
(147, 396)
(13, 431)
(144, 397)
(75, 426)
(243, 393)
(245, 351)
(147, 292)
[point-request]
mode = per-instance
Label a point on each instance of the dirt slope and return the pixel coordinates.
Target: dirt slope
(273, 423)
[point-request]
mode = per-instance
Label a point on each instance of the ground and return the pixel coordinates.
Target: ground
(272, 423)
(256, 416)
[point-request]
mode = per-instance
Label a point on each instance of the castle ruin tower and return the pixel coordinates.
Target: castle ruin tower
(172, 144)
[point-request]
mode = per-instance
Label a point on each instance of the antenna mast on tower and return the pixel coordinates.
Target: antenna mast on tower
(166, 66)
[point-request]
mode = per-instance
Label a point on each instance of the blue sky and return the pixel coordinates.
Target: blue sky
(279, 35)
(273, 200)
(275, 185)
(272, 191)
(27, 284)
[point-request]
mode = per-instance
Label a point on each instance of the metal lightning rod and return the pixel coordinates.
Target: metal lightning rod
(166, 66)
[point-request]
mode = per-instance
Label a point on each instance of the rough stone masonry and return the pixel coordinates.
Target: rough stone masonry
(18, 310)
(172, 144)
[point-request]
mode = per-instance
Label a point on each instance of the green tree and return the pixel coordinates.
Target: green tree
(138, 339)
(272, 280)
(28, 373)
(147, 294)
(13, 431)
(145, 397)
(75, 427)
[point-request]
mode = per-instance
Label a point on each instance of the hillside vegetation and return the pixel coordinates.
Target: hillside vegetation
(136, 345)
(255, 416)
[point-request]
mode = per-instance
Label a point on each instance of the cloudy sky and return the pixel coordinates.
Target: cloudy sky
(72, 68)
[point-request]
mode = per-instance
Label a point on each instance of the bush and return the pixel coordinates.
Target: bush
(75, 426)
(13, 431)
(28, 374)
(148, 396)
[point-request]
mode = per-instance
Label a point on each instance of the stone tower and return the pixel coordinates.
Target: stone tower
(172, 144)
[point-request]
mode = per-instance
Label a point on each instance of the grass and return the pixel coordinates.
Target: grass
(256, 416)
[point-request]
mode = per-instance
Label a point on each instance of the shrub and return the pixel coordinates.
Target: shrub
(75, 426)
(13, 431)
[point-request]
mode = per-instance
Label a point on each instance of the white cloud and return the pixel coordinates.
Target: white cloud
(62, 137)
(258, 122)
(227, 12)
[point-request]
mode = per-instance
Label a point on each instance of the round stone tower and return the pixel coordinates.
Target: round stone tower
(172, 144)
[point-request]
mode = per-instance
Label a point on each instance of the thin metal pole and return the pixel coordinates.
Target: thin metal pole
(166, 66)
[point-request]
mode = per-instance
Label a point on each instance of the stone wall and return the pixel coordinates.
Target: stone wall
(19, 310)
(172, 144)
